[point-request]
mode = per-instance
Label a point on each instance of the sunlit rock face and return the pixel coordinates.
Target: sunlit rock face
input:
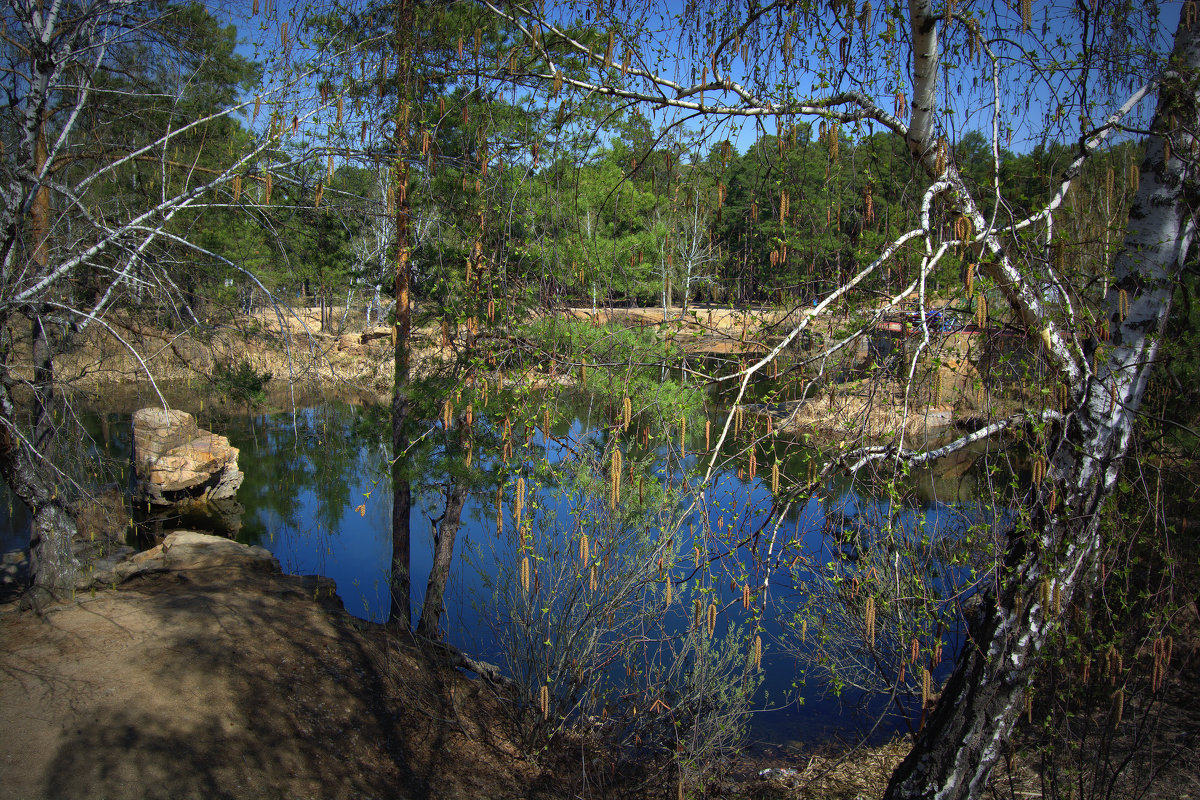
(177, 462)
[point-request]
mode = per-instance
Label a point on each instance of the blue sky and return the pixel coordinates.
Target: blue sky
(1041, 91)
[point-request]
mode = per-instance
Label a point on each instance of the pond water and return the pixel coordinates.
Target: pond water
(317, 495)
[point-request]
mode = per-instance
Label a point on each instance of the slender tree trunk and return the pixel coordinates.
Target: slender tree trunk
(401, 580)
(43, 364)
(458, 452)
(443, 555)
(341, 328)
(401, 588)
(1055, 551)
(43, 386)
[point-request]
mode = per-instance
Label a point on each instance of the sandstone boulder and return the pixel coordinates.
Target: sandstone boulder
(180, 550)
(176, 461)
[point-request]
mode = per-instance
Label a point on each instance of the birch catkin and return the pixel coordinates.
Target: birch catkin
(615, 469)
(964, 229)
(871, 622)
(519, 503)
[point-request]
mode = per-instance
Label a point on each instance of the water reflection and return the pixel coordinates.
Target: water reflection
(317, 494)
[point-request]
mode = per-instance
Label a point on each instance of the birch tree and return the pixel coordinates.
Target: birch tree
(927, 73)
(70, 254)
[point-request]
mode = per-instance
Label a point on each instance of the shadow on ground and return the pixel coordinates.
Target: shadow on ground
(234, 682)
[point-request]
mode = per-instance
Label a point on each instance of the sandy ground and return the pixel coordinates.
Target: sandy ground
(231, 682)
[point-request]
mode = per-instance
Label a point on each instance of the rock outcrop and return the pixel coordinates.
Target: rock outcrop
(182, 550)
(179, 463)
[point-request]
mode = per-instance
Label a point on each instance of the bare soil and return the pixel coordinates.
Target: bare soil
(232, 682)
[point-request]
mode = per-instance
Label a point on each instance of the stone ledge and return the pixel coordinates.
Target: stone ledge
(180, 551)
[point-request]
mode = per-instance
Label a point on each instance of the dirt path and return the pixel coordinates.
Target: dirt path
(230, 681)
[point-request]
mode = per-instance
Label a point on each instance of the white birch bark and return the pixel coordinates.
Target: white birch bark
(964, 738)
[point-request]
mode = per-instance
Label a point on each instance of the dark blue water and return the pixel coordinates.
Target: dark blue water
(317, 494)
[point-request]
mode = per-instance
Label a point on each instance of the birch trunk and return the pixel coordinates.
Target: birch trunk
(1058, 545)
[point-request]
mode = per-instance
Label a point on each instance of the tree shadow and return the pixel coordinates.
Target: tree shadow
(235, 682)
